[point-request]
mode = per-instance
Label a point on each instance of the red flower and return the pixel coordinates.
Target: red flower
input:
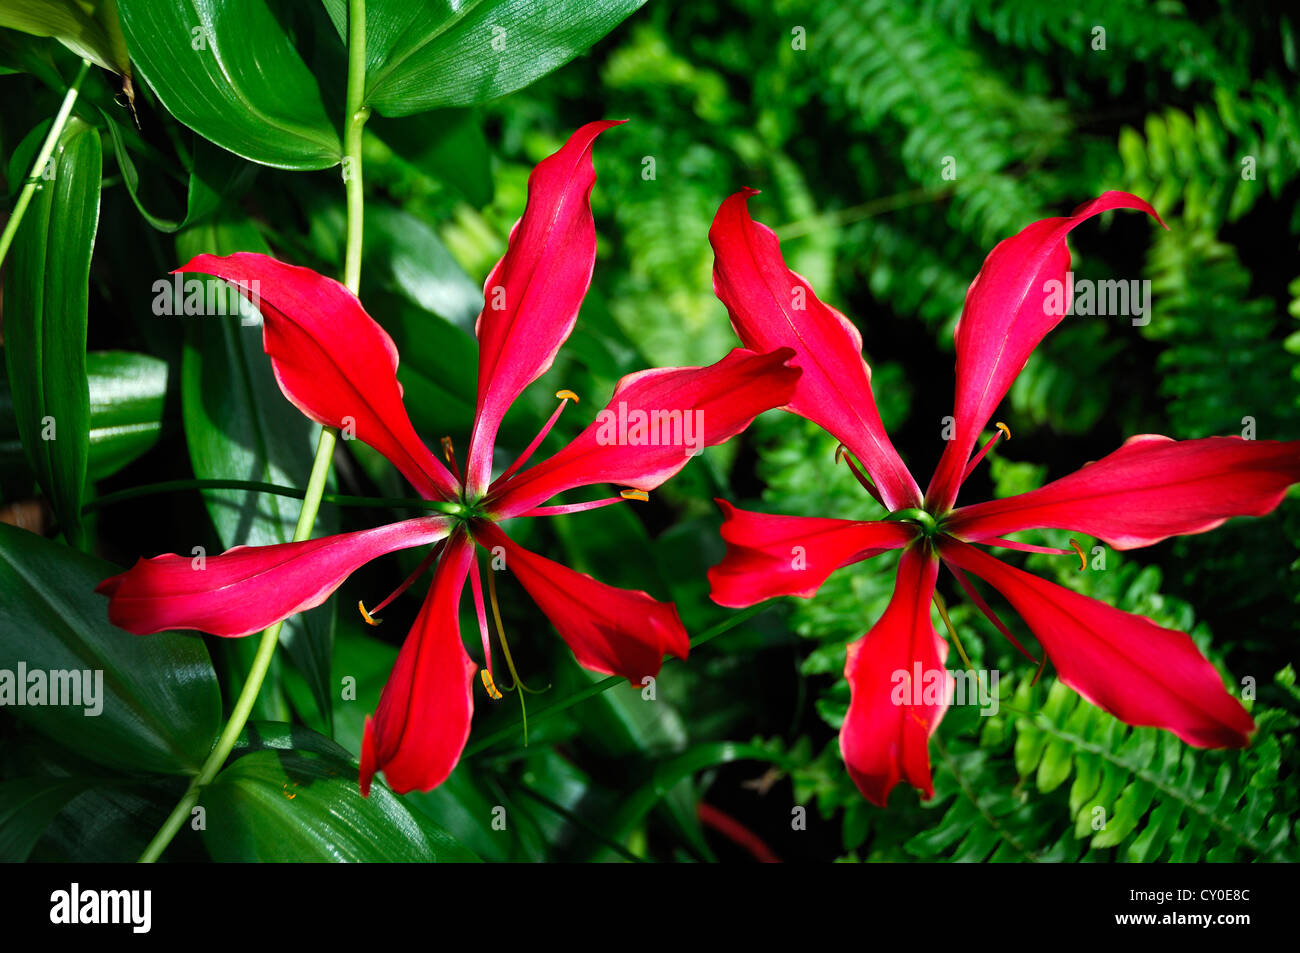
(1148, 490)
(339, 368)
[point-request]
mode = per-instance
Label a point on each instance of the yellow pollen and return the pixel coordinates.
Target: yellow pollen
(1004, 428)
(839, 453)
(567, 395)
(493, 692)
(641, 495)
(370, 620)
(1083, 562)
(448, 450)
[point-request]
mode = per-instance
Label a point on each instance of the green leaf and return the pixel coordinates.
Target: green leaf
(409, 255)
(27, 805)
(127, 392)
(96, 35)
(668, 773)
(21, 53)
(216, 174)
(24, 156)
(239, 426)
(159, 706)
(230, 72)
(45, 322)
(447, 144)
(299, 805)
(422, 56)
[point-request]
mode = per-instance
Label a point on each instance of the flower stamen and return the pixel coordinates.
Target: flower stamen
(970, 467)
(518, 683)
(561, 509)
(1083, 562)
(841, 453)
(565, 396)
(476, 584)
(449, 453)
(425, 563)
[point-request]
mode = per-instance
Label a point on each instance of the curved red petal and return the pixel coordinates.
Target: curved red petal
(247, 588)
(770, 555)
(610, 630)
(423, 719)
(1009, 308)
(654, 423)
(900, 689)
(331, 359)
(772, 306)
(532, 296)
(1148, 490)
(1138, 671)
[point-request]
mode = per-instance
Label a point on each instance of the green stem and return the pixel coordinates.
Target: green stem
(47, 150)
(357, 113)
(337, 499)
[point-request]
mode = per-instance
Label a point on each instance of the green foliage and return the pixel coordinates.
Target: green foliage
(894, 144)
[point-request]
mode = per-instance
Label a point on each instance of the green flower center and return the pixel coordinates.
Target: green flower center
(928, 524)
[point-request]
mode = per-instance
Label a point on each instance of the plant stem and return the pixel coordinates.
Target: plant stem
(47, 150)
(357, 113)
(338, 499)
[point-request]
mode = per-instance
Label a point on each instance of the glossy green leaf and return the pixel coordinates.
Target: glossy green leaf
(46, 304)
(127, 393)
(406, 252)
(158, 705)
(229, 70)
(94, 35)
(299, 805)
(27, 805)
(239, 426)
(424, 55)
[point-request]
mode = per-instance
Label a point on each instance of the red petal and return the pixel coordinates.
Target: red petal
(423, 718)
(532, 296)
(612, 631)
(769, 556)
(1005, 316)
(1148, 490)
(685, 408)
(1139, 672)
(332, 360)
(773, 307)
(886, 734)
(247, 588)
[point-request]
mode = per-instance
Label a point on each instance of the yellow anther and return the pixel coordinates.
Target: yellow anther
(641, 495)
(1083, 562)
(370, 620)
(567, 395)
(491, 686)
(1004, 428)
(839, 453)
(448, 451)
